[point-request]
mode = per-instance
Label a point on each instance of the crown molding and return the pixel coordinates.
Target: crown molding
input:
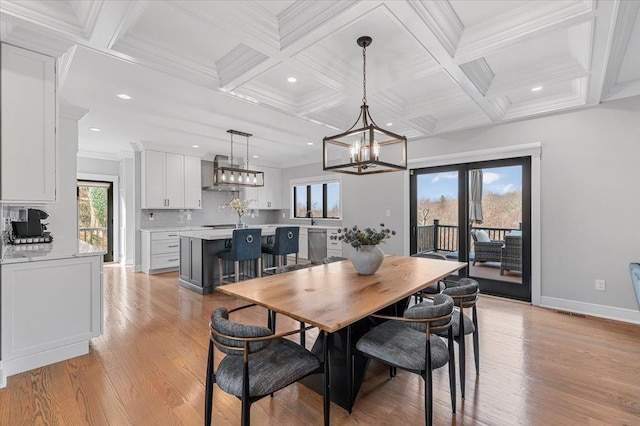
(267, 95)
(94, 155)
(52, 15)
(319, 101)
(442, 20)
(37, 41)
(254, 25)
(72, 112)
(427, 124)
(552, 71)
(114, 20)
(474, 119)
(625, 19)
(498, 108)
(237, 63)
(480, 74)
(303, 17)
(577, 98)
(166, 58)
(173, 149)
(443, 101)
(64, 63)
(87, 13)
(525, 22)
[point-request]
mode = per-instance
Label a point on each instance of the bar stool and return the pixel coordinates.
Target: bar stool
(285, 242)
(245, 245)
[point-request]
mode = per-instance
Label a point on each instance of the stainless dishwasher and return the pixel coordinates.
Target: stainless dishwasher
(317, 244)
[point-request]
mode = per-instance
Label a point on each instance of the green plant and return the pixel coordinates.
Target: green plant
(368, 237)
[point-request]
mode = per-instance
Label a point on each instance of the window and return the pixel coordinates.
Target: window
(321, 199)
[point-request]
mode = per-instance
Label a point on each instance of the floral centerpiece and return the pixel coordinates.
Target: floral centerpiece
(240, 207)
(367, 256)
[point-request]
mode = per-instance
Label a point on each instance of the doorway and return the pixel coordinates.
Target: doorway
(95, 215)
(478, 213)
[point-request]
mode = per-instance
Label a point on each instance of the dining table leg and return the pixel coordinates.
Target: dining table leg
(349, 371)
(327, 341)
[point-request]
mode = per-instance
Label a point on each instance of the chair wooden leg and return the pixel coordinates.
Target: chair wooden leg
(452, 372)
(208, 393)
(476, 342)
(236, 271)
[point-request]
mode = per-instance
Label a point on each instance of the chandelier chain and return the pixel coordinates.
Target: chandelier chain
(364, 74)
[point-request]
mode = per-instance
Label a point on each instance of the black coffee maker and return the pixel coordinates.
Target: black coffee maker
(32, 230)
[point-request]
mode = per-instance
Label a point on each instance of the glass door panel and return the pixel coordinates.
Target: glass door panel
(95, 211)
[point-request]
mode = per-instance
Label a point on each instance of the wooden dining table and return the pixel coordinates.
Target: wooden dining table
(336, 299)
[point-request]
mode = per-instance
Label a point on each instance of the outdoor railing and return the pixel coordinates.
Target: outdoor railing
(95, 236)
(444, 238)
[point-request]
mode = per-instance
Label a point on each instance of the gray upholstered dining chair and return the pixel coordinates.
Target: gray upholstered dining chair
(245, 244)
(257, 362)
(408, 343)
(465, 295)
(332, 259)
(634, 269)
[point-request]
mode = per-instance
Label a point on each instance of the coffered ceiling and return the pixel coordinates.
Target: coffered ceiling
(197, 68)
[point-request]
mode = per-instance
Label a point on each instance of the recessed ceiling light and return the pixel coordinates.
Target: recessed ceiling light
(255, 156)
(536, 89)
(309, 143)
(124, 96)
(389, 124)
(292, 79)
(195, 146)
(94, 129)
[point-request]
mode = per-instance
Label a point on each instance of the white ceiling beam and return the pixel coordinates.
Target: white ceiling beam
(626, 14)
(114, 20)
(64, 64)
(518, 25)
(440, 18)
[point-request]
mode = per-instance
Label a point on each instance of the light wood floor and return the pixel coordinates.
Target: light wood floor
(538, 367)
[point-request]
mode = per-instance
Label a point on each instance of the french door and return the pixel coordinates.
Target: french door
(478, 213)
(95, 215)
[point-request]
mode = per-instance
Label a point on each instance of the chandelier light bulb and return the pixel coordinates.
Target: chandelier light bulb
(240, 178)
(233, 179)
(224, 177)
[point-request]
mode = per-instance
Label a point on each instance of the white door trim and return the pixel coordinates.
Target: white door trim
(116, 210)
(533, 150)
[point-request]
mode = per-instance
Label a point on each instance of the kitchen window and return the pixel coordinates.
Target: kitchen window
(321, 199)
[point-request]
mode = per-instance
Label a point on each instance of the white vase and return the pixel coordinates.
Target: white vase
(367, 259)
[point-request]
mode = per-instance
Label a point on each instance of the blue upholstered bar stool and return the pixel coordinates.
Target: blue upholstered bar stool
(245, 245)
(285, 242)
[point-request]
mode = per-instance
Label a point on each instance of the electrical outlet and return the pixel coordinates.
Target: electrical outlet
(151, 216)
(388, 213)
(601, 285)
(283, 215)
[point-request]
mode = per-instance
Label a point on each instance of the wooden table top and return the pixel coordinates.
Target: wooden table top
(334, 296)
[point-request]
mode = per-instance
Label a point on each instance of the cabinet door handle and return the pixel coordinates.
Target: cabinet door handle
(173, 235)
(173, 246)
(173, 260)
(198, 203)
(168, 202)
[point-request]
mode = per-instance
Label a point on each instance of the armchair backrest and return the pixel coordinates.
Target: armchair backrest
(442, 307)
(464, 293)
(221, 324)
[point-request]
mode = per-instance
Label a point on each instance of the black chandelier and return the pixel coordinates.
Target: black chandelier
(231, 174)
(367, 149)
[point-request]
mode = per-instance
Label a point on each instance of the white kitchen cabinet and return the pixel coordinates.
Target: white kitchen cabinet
(50, 310)
(28, 126)
(163, 180)
(303, 244)
(266, 197)
(160, 251)
(192, 183)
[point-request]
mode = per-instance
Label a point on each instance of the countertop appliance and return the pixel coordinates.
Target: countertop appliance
(317, 245)
(31, 230)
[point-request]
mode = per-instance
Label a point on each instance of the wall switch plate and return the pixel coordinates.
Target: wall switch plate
(283, 215)
(388, 213)
(601, 285)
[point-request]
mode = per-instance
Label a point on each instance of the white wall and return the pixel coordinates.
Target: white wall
(590, 199)
(98, 166)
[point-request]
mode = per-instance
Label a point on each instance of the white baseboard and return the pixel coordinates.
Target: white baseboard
(137, 268)
(3, 379)
(591, 309)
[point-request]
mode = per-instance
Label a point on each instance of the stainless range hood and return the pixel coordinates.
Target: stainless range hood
(207, 179)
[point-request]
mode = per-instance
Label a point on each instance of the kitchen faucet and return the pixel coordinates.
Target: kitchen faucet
(310, 214)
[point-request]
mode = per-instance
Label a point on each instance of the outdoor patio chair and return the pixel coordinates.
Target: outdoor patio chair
(485, 249)
(512, 253)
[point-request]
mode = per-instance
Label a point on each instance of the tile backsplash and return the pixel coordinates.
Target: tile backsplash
(210, 214)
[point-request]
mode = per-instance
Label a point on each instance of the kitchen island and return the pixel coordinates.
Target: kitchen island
(51, 304)
(198, 256)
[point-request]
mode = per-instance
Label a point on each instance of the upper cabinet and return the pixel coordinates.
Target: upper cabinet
(268, 196)
(170, 181)
(192, 183)
(28, 126)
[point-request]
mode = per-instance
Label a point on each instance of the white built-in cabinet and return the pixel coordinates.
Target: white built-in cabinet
(28, 122)
(160, 251)
(192, 183)
(303, 244)
(170, 181)
(266, 197)
(50, 310)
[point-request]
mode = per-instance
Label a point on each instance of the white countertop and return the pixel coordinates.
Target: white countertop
(182, 229)
(46, 251)
(174, 229)
(223, 234)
